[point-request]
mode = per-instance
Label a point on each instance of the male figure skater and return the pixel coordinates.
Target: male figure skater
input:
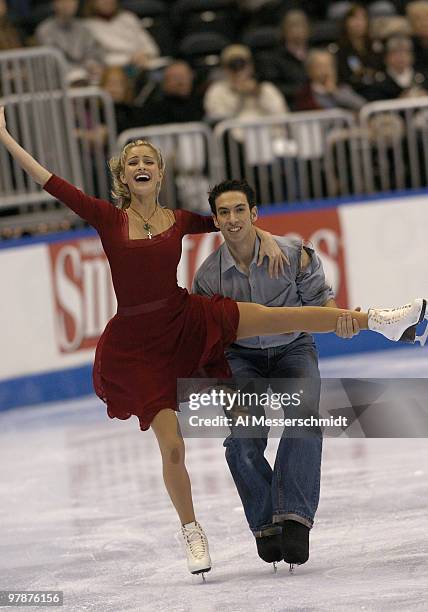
(279, 504)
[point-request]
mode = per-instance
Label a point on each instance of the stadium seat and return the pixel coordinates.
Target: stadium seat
(382, 8)
(193, 16)
(154, 16)
(261, 39)
(39, 13)
(324, 33)
(203, 48)
(337, 10)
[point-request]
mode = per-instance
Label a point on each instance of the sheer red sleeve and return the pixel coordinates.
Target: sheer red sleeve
(96, 212)
(192, 223)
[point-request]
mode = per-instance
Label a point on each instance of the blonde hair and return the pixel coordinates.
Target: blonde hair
(120, 192)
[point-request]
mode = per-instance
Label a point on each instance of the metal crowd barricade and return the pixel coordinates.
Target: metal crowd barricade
(283, 156)
(95, 130)
(191, 159)
(39, 115)
(396, 152)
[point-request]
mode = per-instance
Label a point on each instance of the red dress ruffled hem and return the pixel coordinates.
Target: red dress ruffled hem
(140, 357)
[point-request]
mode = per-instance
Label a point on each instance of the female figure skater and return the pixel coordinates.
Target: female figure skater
(160, 332)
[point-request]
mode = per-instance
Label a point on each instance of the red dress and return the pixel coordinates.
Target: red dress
(160, 332)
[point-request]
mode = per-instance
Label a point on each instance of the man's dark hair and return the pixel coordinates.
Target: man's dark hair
(233, 185)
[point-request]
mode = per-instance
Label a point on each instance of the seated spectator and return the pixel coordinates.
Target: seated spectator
(175, 99)
(358, 57)
(400, 78)
(322, 91)
(117, 83)
(240, 95)
(92, 131)
(417, 13)
(286, 67)
(10, 37)
(123, 40)
(83, 55)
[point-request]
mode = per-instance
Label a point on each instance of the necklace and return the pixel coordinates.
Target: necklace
(146, 225)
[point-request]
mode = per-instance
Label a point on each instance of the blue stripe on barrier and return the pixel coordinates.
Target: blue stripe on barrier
(307, 205)
(47, 238)
(57, 386)
(264, 210)
(68, 384)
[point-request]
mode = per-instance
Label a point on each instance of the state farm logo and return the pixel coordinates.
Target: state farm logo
(83, 293)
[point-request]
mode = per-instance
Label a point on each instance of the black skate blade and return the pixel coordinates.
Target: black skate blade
(423, 311)
(202, 571)
(409, 336)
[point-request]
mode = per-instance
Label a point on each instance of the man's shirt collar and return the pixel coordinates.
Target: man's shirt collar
(228, 261)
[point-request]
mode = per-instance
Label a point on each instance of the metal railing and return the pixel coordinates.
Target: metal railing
(287, 158)
(284, 156)
(39, 116)
(192, 162)
(396, 149)
(95, 132)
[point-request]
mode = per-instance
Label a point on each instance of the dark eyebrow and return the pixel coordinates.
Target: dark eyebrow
(234, 205)
(144, 156)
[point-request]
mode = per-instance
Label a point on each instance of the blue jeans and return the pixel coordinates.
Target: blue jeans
(291, 490)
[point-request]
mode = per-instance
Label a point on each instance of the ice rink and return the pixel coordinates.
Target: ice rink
(84, 511)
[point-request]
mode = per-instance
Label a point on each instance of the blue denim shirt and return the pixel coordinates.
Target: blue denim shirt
(220, 274)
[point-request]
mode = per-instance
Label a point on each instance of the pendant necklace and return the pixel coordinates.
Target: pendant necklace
(146, 225)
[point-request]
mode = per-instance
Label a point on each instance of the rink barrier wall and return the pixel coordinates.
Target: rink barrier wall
(365, 244)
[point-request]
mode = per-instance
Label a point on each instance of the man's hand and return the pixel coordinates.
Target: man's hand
(347, 327)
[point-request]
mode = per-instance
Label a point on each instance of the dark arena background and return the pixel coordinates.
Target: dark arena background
(323, 108)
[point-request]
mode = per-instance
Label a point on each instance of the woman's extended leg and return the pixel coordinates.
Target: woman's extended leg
(257, 320)
(171, 445)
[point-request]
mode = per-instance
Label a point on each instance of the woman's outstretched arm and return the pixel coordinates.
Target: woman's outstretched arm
(99, 213)
(24, 159)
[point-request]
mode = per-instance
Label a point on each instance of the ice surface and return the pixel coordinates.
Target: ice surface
(83, 510)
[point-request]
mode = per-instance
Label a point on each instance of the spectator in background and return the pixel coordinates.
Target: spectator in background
(400, 78)
(322, 91)
(116, 82)
(83, 55)
(120, 34)
(176, 99)
(417, 13)
(93, 132)
(10, 37)
(358, 57)
(286, 67)
(240, 95)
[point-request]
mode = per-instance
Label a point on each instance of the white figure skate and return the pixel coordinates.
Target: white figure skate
(399, 323)
(198, 555)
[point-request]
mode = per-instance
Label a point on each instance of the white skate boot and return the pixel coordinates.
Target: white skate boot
(198, 555)
(398, 323)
